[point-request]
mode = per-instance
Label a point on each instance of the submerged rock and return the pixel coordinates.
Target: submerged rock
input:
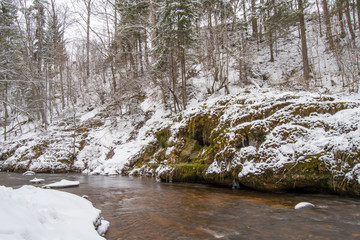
(28, 173)
(304, 205)
(63, 184)
(37, 180)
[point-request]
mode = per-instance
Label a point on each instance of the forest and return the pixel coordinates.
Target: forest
(58, 55)
(245, 94)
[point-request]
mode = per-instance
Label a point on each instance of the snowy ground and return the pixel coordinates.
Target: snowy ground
(31, 213)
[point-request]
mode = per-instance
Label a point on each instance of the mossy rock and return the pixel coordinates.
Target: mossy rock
(200, 128)
(188, 172)
(309, 175)
(254, 132)
(222, 179)
(190, 151)
(162, 137)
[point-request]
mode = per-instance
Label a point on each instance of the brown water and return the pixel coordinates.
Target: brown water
(140, 208)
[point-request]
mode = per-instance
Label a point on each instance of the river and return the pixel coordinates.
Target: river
(140, 208)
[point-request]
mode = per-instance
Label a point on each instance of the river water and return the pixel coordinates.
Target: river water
(140, 208)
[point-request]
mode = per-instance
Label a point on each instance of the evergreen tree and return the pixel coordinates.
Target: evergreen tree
(10, 58)
(176, 36)
(278, 17)
(10, 48)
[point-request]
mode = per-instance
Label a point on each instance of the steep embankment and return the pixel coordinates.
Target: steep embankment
(262, 141)
(96, 141)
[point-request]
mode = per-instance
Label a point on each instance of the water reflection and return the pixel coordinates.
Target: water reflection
(139, 208)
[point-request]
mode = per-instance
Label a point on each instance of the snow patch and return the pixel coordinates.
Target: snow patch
(40, 214)
(37, 180)
(62, 184)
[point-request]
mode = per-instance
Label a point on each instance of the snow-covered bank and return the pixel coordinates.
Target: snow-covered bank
(31, 213)
(263, 139)
(266, 140)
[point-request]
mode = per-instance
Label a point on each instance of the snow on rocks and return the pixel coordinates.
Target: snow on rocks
(267, 140)
(37, 180)
(250, 132)
(304, 205)
(62, 184)
(40, 214)
(28, 173)
(102, 227)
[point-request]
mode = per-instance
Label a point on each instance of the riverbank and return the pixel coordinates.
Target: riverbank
(263, 139)
(282, 142)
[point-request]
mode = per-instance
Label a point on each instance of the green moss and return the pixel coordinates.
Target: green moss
(200, 128)
(162, 137)
(190, 151)
(191, 172)
(222, 179)
(310, 174)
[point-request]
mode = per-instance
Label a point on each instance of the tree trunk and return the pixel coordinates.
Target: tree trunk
(254, 19)
(62, 87)
(270, 31)
(319, 15)
(348, 19)
(358, 12)
(88, 12)
(173, 78)
(114, 85)
(245, 17)
(327, 22)
(183, 79)
(305, 59)
(339, 6)
(6, 114)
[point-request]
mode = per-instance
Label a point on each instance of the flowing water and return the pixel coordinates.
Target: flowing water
(140, 208)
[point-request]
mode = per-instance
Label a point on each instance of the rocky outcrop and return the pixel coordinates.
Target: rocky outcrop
(263, 140)
(269, 142)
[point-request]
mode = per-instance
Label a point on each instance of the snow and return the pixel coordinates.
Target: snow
(28, 173)
(303, 205)
(103, 227)
(31, 213)
(89, 115)
(62, 184)
(37, 180)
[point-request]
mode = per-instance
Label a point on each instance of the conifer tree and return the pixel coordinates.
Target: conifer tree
(278, 17)
(10, 57)
(176, 36)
